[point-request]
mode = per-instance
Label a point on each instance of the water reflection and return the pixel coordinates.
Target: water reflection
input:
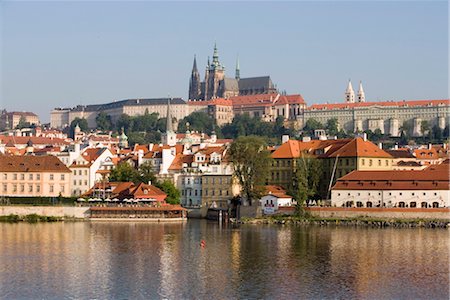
(141, 260)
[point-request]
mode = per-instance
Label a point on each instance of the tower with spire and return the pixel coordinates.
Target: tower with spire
(237, 75)
(361, 95)
(349, 93)
(194, 83)
(169, 137)
(215, 73)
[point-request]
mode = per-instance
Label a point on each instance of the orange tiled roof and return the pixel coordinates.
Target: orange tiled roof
(35, 140)
(295, 148)
(360, 148)
(45, 163)
(217, 101)
(277, 191)
(432, 178)
(404, 103)
(91, 154)
(266, 100)
(426, 153)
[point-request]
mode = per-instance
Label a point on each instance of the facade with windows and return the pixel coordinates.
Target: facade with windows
(33, 176)
(427, 188)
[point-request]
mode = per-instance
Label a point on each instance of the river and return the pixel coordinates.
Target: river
(89, 260)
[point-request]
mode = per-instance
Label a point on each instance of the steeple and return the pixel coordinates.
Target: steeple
(349, 93)
(169, 125)
(194, 82)
(361, 94)
(169, 137)
(238, 71)
(215, 63)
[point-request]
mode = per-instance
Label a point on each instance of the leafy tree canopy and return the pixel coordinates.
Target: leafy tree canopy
(251, 162)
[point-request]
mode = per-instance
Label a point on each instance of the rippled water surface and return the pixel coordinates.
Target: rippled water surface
(148, 261)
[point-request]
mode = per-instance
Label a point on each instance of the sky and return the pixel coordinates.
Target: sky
(63, 53)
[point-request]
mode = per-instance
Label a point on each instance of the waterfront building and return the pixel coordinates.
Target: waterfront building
(89, 167)
(33, 176)
(339, 157)
(127, 190)
(425, 188)
(274, 197)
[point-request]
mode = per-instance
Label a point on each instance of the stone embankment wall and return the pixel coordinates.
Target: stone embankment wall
(394, 213)
(54, 211)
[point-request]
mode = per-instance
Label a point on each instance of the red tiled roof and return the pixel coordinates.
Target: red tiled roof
(433, 178)
(426, 153)
(360, 148)
(91, 154)
(404, 103)
(266, 100)
(45, 163)
(36, 140)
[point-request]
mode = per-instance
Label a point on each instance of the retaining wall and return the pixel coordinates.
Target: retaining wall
(55, 211)
(394, 213)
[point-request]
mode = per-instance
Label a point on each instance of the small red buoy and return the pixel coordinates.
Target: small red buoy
(203, 244)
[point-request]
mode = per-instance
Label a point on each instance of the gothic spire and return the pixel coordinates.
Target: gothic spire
(169, 125)
(238, 71)
(194, 67)
(215, 61)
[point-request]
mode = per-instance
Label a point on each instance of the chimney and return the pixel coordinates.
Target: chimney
(430, 146)
(149, 182)
(396, 147)
(365, 137)
(380, 145)
(284, 138)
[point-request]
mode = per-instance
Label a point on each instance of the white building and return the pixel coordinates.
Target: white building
(426, 188)
(274, 198)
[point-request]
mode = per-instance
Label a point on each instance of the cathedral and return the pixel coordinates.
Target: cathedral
(216, 85)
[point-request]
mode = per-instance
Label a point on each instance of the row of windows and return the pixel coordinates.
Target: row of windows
(30, 188)
(22, 176)
(214, 192)
(279, 175)
(363, 162)
(219, 180)
(80, 182)
(80, 172)
(392, 193)
(281, 163)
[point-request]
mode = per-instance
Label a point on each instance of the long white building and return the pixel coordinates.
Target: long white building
(426, 188)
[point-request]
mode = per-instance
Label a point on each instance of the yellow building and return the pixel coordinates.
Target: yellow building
(33, 176)
(217, 190)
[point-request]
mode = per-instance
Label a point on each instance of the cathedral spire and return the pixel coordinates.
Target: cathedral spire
(238, 71)
(215, 61)
(349, 93)
(361, 94)
(194, 67)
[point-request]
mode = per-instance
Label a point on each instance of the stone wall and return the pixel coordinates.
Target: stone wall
(395, 213)
(54, 211)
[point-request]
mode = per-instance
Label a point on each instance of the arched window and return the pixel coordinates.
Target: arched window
(412, 204)
(401, 204)
(359, 204)
(424, 204)
(369, 204)
(435, 204)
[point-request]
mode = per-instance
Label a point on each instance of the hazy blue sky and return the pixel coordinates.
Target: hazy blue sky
(59, 54)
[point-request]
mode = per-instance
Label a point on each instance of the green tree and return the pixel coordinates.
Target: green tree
(146, 174)
(198, 121)
(103, 121)
(82, 123)
(173, 194)
(124, 172)
(251, 161)
(424, 127)
(136, 138)
(23, 123)
(124, 121)
(306, 180)
(311, 125)
(438, 133)
(332, 126)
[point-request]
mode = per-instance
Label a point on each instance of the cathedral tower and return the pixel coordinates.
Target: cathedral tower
(215, 72)
(361, 94)
(194, 83)
(237, 76)
(349, 93)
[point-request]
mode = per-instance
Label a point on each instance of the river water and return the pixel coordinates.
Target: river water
(85, 260)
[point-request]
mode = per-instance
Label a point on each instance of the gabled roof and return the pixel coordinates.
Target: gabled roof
(91, 154)
(146, 191)
(295, 148)
(432, 178)
(360, 148)
(426, 153)
(400, 153)
(45, 163)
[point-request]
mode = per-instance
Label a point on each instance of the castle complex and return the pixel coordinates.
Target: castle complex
(216, 85)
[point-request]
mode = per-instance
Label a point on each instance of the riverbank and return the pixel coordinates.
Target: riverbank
(31, 218)
(361, 221)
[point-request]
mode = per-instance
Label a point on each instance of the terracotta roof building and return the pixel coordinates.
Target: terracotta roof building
(425, 188)
(33, 176)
